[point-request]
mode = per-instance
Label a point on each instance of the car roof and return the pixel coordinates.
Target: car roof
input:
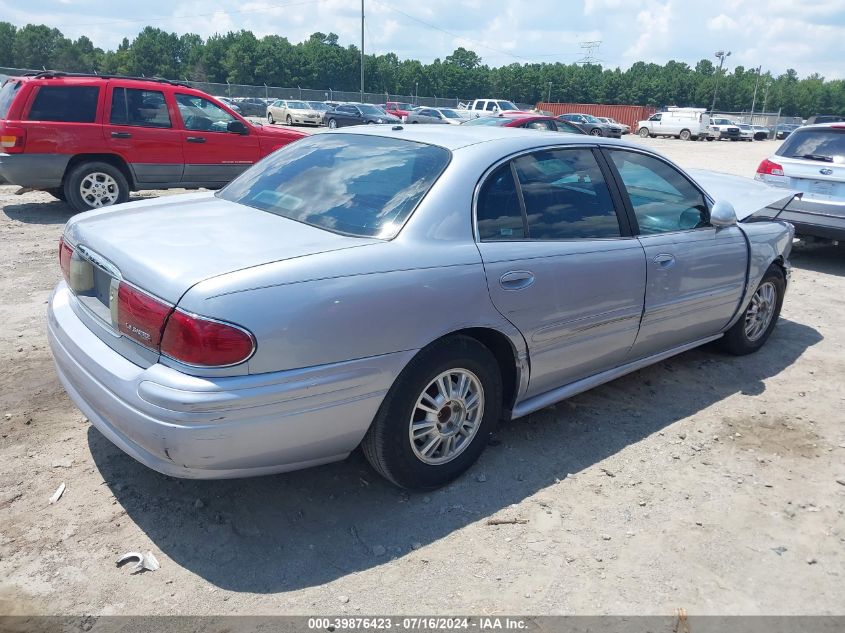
(458, 136)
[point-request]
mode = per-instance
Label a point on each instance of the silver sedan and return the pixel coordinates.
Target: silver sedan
(401, 288)
(434, 115)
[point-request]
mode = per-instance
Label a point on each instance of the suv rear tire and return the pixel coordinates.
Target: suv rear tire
(95, 184)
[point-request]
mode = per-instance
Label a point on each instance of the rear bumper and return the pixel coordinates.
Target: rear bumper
(816, 219)
(37, 171)
(214, 428)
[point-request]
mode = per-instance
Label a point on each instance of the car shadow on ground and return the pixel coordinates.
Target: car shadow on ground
(51, 212)
(301, 529)
(822, 258)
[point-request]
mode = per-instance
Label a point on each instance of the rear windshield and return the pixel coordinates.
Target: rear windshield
(71, 104)
(7, 95)
(488, 120)
(365, 186)
(822, 144)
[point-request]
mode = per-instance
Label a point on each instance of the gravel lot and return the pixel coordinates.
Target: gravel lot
(706, 482)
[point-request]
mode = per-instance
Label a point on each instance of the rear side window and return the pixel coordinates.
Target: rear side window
(566, 196)
(499, 214)
(68, 104)
(822, 144)
(7, 95)
(145, 108)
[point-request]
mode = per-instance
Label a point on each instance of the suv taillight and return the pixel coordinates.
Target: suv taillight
(769, 168)
(12, 139)
(65, 253)
(195, 340)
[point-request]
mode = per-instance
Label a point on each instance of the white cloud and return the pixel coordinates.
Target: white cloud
(785, 35)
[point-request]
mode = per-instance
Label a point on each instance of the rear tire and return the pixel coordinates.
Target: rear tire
(95, 184)
(755, 325)
(332, 124)
(417, 415)
(270, 119)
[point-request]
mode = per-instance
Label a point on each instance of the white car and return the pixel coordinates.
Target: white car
(746, 131)
(293, 112)
(812, 161)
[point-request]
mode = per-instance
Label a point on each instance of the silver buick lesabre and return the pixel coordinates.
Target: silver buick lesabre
(399, 289)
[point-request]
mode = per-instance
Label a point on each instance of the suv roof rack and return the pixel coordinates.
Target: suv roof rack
(57, 74)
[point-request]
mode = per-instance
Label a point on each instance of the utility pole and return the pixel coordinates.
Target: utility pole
(721, 55)
(754, 99)
(549, 100)
(362, 51)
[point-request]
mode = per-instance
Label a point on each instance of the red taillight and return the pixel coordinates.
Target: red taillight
(769, 168)
(65, 253)
(12, 139)
(140, 316)
(194, 340)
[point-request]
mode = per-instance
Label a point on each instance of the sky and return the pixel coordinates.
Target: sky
(807, 35)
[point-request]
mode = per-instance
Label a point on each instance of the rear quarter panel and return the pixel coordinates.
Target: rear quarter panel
(357, 303)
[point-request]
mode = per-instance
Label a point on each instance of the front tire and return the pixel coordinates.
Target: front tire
(595, 132)
(755, 326)
(435, 420)
(95, 184)
(685, 135)
(289, 120)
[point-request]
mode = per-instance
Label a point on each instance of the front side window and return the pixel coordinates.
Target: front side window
(201, 115)
(662, 198)
(498, 212)
(366, 186)
(656, 117)
(566, 196)
(145, 108)
(69, 104)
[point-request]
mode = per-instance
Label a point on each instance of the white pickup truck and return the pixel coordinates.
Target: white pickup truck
(487, 107)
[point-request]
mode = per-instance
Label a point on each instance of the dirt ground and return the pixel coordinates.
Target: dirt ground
(706, 482)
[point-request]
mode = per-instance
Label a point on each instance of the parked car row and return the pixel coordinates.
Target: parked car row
(698, 124)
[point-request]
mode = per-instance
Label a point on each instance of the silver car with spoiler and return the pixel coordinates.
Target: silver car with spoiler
(400, 288)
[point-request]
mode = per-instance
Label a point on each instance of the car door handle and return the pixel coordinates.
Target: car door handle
(196, 139)
(516, 279)
(121, 135)
(664, 260)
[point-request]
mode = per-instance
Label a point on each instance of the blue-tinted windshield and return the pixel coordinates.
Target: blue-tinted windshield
(366, 186)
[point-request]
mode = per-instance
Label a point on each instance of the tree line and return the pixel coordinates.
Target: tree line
(321, 62)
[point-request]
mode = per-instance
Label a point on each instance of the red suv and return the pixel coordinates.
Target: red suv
(91, 139)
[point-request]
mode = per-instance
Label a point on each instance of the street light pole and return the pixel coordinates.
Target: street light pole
(549, 100)
(362, 51)
(754, 98)
(721, 55)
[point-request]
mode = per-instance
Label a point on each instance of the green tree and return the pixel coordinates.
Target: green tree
(7, 44)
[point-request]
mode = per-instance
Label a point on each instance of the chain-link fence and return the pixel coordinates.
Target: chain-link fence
(279, 92)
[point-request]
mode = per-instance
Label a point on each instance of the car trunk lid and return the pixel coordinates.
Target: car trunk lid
(167, 245)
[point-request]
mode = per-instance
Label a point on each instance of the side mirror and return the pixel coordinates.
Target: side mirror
(722, 214)
(237, 127)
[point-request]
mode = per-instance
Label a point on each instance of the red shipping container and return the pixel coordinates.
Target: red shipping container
(627, 114)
